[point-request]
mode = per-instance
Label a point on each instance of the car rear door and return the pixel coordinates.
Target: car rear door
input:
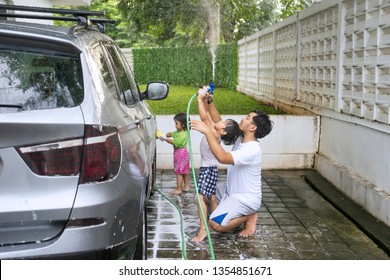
(132, 106)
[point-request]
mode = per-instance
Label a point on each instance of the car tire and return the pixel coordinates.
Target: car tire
(141, 250)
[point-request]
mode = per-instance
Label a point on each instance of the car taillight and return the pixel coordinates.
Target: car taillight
(101, 155)
(96, 157)
(60, 158)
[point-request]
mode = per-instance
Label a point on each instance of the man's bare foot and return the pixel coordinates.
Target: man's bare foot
(249, 226)
(175, 192)
(186, 189)
(200, 236)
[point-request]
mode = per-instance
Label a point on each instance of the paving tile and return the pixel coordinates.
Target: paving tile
(285, 254)
(313, 255)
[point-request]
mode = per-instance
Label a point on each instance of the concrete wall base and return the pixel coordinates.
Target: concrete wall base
(371, 198)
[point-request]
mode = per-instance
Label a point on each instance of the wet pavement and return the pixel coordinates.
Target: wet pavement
(295, 223)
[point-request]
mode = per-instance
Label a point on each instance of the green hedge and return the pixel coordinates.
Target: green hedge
(186, 66)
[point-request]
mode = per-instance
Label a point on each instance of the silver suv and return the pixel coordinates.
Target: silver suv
(77, 142)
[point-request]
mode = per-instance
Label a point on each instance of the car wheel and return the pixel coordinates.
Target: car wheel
(142, 242)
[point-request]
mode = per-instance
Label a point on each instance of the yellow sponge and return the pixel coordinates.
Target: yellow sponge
(158, 133)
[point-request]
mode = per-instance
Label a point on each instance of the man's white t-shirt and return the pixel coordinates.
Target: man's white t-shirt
(244, 176)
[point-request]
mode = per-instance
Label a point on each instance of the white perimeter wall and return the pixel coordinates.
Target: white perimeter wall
(292, 143)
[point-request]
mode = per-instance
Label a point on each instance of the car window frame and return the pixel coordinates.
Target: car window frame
(134, 90)
(91, 50)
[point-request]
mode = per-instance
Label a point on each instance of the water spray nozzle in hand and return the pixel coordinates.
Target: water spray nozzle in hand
(208, 89)
(211, 88)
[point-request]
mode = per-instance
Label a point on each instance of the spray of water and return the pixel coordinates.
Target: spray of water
(212, 31)
(213, 50)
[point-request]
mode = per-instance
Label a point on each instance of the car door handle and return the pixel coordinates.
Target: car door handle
(137, 121)
(131, 125)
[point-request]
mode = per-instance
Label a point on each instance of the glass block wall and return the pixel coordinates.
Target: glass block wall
(333, 56)
(318, 58)
(366, 63)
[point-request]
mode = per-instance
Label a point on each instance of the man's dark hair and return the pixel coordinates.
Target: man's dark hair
(263, 123)
(232, 130)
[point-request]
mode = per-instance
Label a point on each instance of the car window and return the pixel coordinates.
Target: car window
(34, 80)
(129, 88)
(100, 70)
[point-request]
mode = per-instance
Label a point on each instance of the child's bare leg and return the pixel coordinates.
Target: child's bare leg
(186, 182)
(179, 183)
(202, 229)
(213, 202)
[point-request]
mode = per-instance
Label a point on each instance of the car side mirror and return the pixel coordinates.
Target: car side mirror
(156, 91)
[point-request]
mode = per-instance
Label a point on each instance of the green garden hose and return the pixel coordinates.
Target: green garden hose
(183, 248)
(183, 242)
(195, 181)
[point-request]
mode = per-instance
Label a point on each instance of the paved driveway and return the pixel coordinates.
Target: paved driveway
(295, 223)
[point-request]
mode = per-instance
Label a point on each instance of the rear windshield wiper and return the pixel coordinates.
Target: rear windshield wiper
(19, 106)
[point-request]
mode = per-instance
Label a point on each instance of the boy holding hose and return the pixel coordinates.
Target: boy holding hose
(227, 131)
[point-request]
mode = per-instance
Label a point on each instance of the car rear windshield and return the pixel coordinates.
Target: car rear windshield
(35, 80)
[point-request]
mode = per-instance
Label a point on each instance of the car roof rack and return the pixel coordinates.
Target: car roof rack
(81, 16)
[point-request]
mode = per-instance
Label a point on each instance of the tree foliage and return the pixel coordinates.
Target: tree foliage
(189, 22)
(173, 23)
(290, 7)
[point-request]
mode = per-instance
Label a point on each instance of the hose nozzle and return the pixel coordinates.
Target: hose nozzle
(211, 88)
